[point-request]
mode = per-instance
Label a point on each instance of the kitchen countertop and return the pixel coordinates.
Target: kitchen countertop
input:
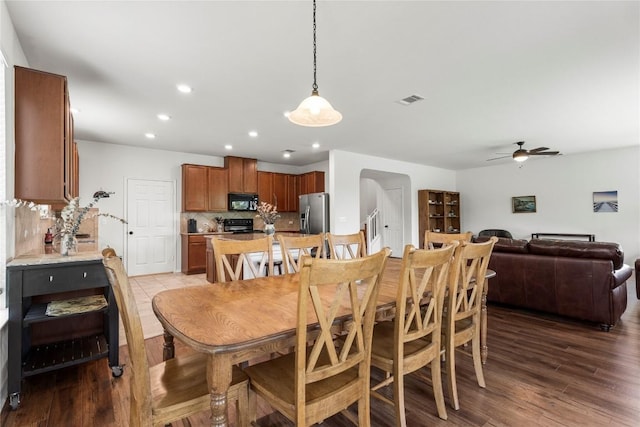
(55, 258)
(206, 233)
(261, 235)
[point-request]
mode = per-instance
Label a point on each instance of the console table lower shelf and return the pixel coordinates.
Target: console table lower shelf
(79, 332)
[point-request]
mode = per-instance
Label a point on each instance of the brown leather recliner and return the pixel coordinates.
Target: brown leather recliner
(582, 280)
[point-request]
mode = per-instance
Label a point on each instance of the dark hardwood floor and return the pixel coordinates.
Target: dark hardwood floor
(542, 371)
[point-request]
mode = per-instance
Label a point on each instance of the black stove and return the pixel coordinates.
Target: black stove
(238, 225)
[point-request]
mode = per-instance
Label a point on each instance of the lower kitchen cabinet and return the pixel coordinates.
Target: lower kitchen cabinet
(194, 252)
(41, 341)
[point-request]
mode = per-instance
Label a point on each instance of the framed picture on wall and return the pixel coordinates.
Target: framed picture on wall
(523, 204)
(605, 201)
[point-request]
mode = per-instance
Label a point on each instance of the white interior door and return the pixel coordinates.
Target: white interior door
(392, 221)
(151, 236)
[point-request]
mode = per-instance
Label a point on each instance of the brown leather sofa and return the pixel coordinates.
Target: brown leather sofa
(582, 280)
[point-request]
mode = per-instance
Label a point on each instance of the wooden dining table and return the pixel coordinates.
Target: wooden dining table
(235, 322)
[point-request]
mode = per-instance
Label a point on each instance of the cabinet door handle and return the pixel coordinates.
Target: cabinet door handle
(51, 278)
(84, 275)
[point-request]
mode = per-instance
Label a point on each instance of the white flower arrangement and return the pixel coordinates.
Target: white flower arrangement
(268, 212)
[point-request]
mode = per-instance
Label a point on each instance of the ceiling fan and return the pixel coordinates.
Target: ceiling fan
(520, 155)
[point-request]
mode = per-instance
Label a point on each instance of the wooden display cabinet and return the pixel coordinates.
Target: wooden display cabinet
(438, 211)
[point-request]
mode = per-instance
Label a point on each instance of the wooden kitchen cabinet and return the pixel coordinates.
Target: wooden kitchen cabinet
(243, 174)
(204, 188)
(194, 253)
(312, 182)
(265, 187)
(278, 189)
(45, 157)
(40, 343)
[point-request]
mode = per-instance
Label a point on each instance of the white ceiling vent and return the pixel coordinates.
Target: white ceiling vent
(410, 100)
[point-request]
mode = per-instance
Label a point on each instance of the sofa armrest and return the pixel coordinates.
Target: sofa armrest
(638, 278)
(621, 275)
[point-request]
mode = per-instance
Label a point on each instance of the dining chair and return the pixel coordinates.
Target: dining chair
(232, 258)
(412, 340)
(433, 239)
(293, 247)
(171, 390)
(324, 375)
(347, 246)
(463, 309)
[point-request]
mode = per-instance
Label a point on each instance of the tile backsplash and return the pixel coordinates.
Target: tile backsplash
(288, 221)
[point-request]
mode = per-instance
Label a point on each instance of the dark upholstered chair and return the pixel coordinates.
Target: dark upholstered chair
(495, 232)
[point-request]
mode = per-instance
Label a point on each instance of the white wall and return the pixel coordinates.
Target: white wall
(563, 186)
(344, 186)
(12, 52)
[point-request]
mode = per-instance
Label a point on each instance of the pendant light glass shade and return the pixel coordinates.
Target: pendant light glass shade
(315, 111)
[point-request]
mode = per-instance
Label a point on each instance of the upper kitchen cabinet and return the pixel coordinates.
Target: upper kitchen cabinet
(204, 188)
(278, 189)
(46, 168)
(312, 182)
(243, 174)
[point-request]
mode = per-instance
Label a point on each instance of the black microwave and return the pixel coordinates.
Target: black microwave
(243, 202)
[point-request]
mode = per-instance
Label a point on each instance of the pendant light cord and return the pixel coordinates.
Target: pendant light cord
(315, 84)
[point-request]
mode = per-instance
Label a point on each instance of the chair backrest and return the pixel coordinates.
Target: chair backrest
(253, 255)
(293, 247)
(495, 232)
(347, 246)
(433, 239)
(140, 380)
(327, 288)
(467, 280)
(419, 303)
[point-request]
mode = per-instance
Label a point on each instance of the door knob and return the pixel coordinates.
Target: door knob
(131, 232)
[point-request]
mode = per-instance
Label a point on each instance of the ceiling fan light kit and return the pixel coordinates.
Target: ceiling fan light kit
(315, 111)
(520, 155)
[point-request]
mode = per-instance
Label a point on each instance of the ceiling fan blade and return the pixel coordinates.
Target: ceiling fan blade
(536, 150)
(545, 153)
(498, 158)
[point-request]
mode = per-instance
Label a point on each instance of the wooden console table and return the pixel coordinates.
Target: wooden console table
(589, 237)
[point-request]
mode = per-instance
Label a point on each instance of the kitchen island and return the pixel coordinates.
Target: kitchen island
(62, 312)
(277, 256)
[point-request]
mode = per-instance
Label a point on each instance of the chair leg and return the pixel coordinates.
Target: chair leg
(451, 375)
(398, 399)
(436, 380)
(364, 415)
(477, 360)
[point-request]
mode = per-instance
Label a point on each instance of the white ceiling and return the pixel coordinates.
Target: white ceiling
(563, 75)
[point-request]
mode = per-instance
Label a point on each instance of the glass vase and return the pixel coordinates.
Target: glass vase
(269, 229)
(68, 245)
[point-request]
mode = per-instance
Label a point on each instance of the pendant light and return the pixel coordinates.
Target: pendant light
(315, 111)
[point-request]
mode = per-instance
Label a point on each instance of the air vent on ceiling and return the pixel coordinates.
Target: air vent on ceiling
(410, 100)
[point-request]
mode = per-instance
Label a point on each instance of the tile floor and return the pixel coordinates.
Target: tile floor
(145, 287)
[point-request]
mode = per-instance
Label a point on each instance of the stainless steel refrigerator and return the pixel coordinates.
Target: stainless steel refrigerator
(314, 213)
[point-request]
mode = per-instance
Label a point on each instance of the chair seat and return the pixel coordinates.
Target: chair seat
(383, 343)
(276, 378)
(183, 381)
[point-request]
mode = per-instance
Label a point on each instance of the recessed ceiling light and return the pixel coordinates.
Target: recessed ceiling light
(150, 135)
(253, 133)
(74, 110)
(164, 117)
(287, 153)
(316, 145)
(228, 147)
(287, 114)
(184, 88)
